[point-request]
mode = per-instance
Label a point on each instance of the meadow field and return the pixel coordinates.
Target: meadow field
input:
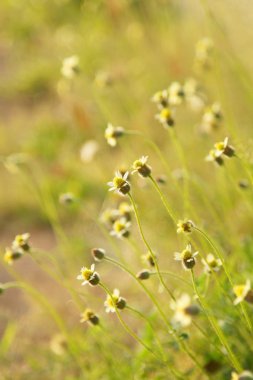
(126, 194)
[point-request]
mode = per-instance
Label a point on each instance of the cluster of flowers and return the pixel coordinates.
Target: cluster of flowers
(118, 220)
(19, 246)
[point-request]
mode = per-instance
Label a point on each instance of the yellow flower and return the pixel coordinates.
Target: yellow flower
(165, 117)
(120, 228)
(11, 255)
(242, 292)
(89, 316)
(21, 241)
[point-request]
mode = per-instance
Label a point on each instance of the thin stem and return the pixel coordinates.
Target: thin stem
(208, 239)
(125, 326)
(164, 200)
(148, 246)
(216, 327)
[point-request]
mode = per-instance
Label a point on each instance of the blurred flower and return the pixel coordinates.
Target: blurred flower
(222, 147)
(204, 48)
(148, 258)
(109, 216)
(66, 198)
(59, 344)
(115, 301)
(119, 183)
(243, 292)
(89, 276)
(187, 257)
(90, 317)
(176, 94)
(11, 255)
(89, 150)
(211, 118)
(125, 210)
(120, 228)
(213, 157)
(21, 241)
(161, 99)
(70, 66)
(193, 95)
(165, 117)
(14, 161)
(141, 167)
(245, 375)
(103, 79)
(211, 264)
(184, 311)
(185, 226)
(113, 133)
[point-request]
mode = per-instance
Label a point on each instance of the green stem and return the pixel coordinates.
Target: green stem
(216, 327)
(148, 246)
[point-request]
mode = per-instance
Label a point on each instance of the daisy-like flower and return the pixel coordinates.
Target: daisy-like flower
(120, 183)
(211, 118)
(141, 167)
(165, 117)
(90, 317)
(223, 147)
(21, 241)
(193, 95)
(214, 157)
(185, 226)
(243, 292)
(109, 216)
(125, 210)
(10, 255)
(120, 228)
(187, 257)
(184, 311)
(70, 66)
(112, 134)
(115, 301)
(176, 94)
(89, 276)
(211, 264)
(245, 375)
(161, 99)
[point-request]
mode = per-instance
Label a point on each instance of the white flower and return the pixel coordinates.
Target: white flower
(184, 310)
(70, 66)
(211, 264)
(119, 183)
(89, 150)
(115, 301)
(112, 134)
